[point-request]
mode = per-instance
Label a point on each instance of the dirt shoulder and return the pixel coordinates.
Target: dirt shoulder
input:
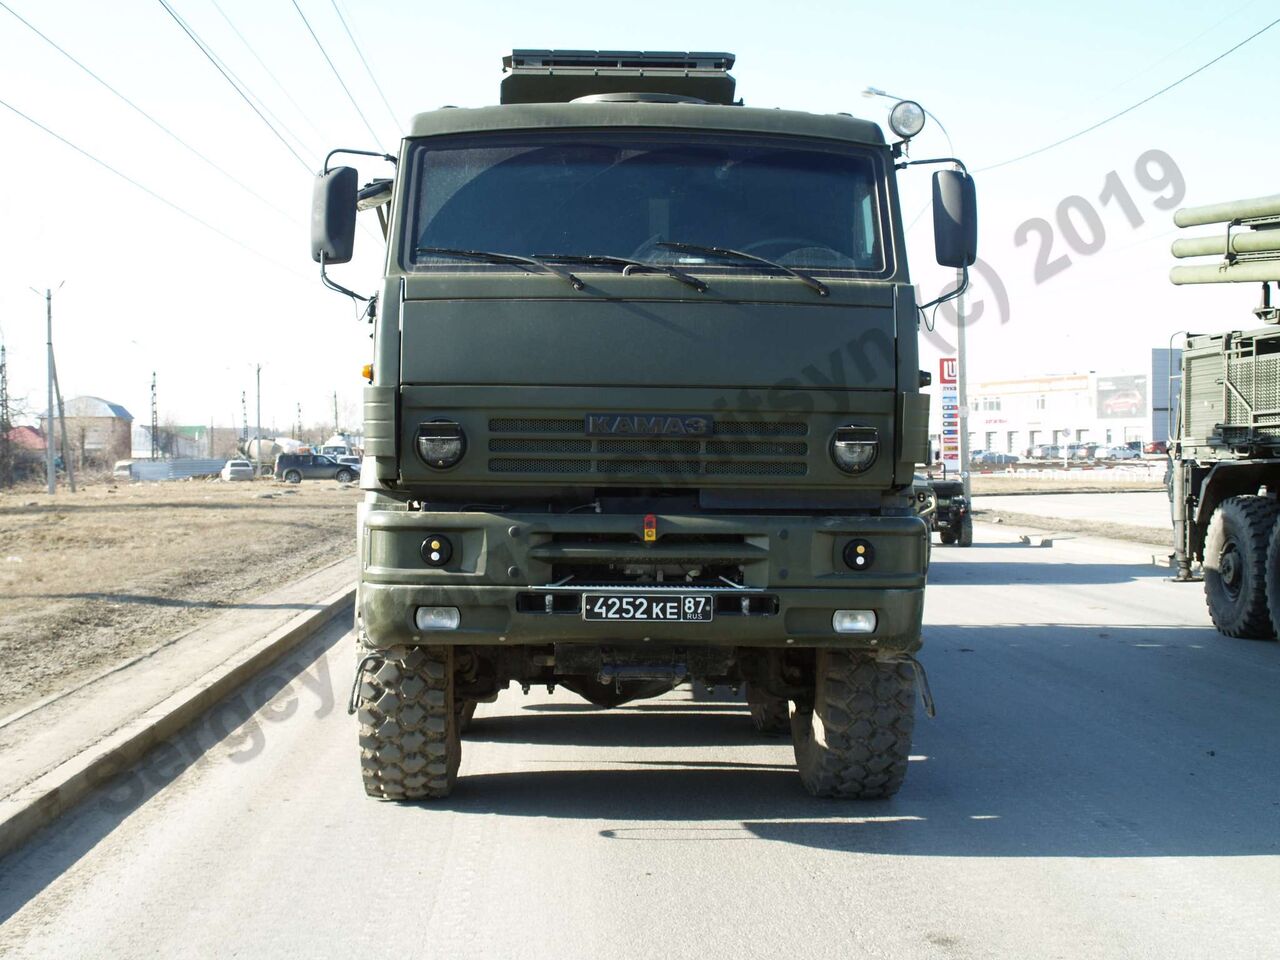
(1092, 528)
(93, 578)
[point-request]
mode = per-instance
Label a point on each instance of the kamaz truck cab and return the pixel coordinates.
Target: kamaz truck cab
(644, 409)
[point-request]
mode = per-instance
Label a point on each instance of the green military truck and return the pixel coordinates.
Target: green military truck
(1225, 468)
(644, 410)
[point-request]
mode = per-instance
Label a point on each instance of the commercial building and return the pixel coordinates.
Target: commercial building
(1106, 408)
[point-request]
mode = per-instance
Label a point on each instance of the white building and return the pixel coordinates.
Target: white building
(1014, 415)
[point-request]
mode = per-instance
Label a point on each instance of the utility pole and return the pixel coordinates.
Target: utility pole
(244, 418)
(6, 423)
(62, 421)
(257, 453)
(155, 420)
(50, 475)
(962, 387)
(299, 433)
(336, 429)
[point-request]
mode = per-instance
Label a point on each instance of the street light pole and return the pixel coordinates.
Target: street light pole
(50, 475)
(257, 452)
(962, 388)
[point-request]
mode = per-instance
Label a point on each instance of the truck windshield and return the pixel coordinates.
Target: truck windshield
(805, 204)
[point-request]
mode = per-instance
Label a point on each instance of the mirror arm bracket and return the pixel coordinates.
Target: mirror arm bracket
(339, 288)
(915, 163)
(357, 153)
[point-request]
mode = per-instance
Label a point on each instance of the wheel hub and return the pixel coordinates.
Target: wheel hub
(1229, 568)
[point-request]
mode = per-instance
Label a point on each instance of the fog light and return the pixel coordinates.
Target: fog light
(436, 550)
(854, 621)
(854, 449)
(437, 618)
(859, 554)
(441, 443)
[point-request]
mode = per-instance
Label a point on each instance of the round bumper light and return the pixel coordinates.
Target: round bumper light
(441, 443)
(854, 621)
(859, 554)
(436, 550)
(436, 618)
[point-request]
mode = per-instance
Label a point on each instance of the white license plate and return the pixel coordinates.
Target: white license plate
(648, 607)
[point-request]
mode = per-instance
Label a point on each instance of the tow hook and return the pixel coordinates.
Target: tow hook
(926, 694)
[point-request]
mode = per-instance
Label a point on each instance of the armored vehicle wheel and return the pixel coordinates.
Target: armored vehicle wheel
(769, 715)
(343, 476)
(965, 537)
(947, 537)
(466, 709)
(856, 740)
(1235, 566)
(1273, 579)
(409, 746)
(292, 476)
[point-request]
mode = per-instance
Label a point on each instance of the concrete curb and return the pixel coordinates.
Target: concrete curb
(42, 801)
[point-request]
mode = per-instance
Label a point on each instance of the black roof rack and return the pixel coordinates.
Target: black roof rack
(558, 76)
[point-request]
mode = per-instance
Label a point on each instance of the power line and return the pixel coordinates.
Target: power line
(156, 123)
(345, 90)
(1131, 108)
(262, 63)
(234, 84)
(147, 190)
(368, 69)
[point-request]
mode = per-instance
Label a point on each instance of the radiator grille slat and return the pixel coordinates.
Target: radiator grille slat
(752, 451)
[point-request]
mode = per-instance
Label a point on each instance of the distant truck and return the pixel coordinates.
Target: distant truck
(1224, 477)
(644, 410)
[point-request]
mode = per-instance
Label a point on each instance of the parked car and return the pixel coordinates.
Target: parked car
(1123, 453)
(353, 461)
(1046, 451)
(296, 467)
(123, 470)
(1156, 446)
(994, 459)
(237, 470)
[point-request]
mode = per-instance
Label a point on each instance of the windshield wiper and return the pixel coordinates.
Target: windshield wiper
(628, 266)
(490, 257)
(808, 281)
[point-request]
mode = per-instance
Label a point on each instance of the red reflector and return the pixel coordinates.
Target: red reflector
(650, 528)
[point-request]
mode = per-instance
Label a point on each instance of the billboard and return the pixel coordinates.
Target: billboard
(1122, 397)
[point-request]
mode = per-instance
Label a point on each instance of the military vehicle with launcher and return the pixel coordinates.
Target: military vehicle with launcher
(644, 409)
(1225, 456)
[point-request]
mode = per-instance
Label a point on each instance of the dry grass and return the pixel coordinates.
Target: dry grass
(92, 578)
(1066, 482)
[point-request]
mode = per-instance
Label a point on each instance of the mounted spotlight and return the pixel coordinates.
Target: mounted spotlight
(906, 119)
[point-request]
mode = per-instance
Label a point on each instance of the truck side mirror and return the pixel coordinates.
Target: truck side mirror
(955, 219)
(333, 216)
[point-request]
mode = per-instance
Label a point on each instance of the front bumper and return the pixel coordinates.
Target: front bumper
(504, 565)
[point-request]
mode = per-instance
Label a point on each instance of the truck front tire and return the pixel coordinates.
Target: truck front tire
(409, 745)
(1235, 566)
(856, 741)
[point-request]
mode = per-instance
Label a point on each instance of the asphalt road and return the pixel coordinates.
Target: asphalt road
(1102, 780)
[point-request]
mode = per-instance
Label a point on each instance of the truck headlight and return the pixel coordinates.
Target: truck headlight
(854, 449)
(441, 443)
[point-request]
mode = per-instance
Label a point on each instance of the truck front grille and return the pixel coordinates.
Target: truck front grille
(753, 451)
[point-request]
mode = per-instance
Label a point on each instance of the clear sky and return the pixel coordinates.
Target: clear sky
(147, 288)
